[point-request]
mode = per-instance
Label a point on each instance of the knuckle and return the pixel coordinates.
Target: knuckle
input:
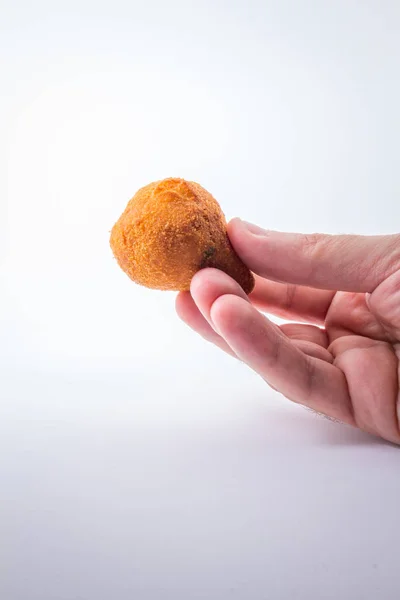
(314, 248)
(311, 242)
(392, 254)
(386, 262)
(289, 296)
(315, 245)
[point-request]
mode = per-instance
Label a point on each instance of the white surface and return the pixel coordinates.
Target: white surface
(132, 488)
(135, 460)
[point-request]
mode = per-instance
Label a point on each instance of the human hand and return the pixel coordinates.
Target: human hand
(348, 369)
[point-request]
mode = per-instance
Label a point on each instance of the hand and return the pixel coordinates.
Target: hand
(349, 369)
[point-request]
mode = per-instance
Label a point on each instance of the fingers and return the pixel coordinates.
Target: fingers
(384, 303)
(291, 301)
(206, 286)
(314, 350)
(343, 262)
(307, 333)
(259, 343)
(310, 340)
(265, 348)
(190, 314)
(371, 368)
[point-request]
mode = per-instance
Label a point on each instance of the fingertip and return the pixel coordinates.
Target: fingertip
(236, 230)
(239, 227)
(252, 244)
(202, 280)
(196, 281)
(190, 314)
(183, 301)
(233, 224)
(225, 312)
(208, 284)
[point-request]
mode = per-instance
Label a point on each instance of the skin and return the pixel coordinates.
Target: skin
(341, 355)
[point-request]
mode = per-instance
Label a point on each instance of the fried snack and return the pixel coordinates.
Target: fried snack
(169, 230)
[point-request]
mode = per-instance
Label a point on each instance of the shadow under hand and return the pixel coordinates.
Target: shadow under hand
(296, 425)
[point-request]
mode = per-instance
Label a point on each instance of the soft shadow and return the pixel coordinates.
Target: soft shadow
(299, 425)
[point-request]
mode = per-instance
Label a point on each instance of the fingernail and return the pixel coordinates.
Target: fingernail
(254, 229)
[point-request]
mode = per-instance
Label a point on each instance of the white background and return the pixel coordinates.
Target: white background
(137, 462)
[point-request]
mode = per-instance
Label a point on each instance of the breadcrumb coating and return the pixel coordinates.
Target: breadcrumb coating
(169, 230)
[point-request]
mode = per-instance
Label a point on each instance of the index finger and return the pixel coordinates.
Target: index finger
(351, 263)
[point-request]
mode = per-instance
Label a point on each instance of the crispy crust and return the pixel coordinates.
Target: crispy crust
(169, 230)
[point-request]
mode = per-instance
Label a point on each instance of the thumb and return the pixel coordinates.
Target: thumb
(333, 262)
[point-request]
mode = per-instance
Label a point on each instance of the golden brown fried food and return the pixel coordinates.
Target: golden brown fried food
(169, 230)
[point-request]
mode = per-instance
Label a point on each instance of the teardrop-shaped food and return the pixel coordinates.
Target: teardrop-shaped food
(169, 230)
